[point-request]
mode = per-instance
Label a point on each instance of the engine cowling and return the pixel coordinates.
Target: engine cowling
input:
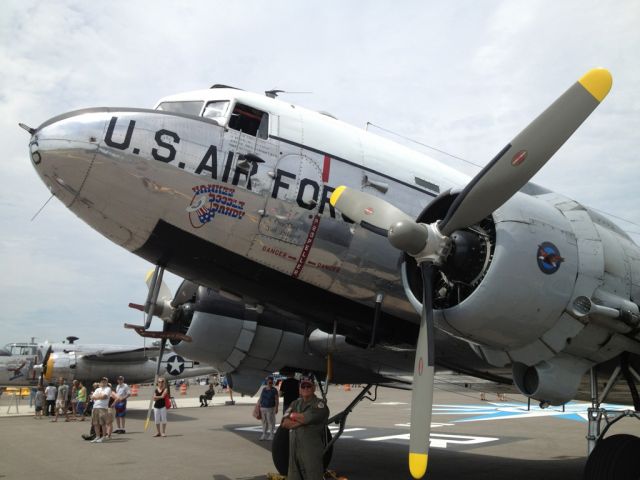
(60, 364)
(516, 289)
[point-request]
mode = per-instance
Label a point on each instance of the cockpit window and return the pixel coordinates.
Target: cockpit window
(14, 349)
(188, 108)
(250, 120)
(216, 110)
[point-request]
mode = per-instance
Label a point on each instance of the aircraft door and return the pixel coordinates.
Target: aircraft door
(240, 180)
(297, 230)
(295, 194)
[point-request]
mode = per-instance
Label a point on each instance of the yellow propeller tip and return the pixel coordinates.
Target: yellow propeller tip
(149, 275)
(597, 82)
(336, 195)
(418, 464)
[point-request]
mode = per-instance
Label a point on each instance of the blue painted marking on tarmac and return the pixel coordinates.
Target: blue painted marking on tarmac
(574, 411)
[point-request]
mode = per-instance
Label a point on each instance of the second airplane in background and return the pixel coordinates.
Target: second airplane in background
(47, 362)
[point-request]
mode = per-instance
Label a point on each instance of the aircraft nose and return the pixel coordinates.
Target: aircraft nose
(62, 151)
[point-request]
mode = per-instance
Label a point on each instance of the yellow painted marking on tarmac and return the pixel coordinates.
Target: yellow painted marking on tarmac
(336, 195)
(597, 82)
(418, 464)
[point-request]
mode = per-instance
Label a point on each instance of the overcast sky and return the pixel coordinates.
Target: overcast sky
(462, 76)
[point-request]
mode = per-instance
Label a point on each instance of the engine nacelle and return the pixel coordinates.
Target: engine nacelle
(245, 349)
(528, 283)
(545, 286)
(554, 381)
(60, 364)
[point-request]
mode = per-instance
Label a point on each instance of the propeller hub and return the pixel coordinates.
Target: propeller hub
(437, 247)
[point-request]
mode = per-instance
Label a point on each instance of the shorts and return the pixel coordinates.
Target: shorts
(160, 415)
(100, 416)
(61, 405)
(121, 408)
(39, 408)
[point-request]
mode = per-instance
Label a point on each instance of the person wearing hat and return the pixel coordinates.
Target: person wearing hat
(122, 393)
(306, 420)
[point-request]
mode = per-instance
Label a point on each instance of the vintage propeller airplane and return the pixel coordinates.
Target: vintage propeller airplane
(17, 361)
(47, 362)
(336, 230)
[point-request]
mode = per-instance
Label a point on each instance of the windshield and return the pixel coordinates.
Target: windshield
(17, 349)
(215, 110)
(188, 108)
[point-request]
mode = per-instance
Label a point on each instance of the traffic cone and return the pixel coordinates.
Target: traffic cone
(134, 390)
(183, 389)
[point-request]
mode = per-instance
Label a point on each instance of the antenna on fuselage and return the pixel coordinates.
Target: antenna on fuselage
(274, 93)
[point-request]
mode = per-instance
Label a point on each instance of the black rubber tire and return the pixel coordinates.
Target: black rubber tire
(615, 458)
(280, 451)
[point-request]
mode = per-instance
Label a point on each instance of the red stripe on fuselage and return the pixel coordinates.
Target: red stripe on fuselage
(325, 168)
(306, 248)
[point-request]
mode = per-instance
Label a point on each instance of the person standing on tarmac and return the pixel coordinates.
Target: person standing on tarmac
(306, 421)
(268, 404)
(122, 393)
(289, 390)
(50, 393)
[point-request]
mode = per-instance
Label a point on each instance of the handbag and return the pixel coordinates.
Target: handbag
(256, 412)
(167, 401)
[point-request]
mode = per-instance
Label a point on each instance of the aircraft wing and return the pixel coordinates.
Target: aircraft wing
(119, 354)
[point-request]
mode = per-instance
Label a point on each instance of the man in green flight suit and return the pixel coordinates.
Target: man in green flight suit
(306, 420)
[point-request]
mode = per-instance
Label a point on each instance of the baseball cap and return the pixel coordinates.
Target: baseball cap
(306, 381)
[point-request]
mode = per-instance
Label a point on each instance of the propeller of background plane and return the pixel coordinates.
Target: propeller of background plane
(45, 366)
(430, 244)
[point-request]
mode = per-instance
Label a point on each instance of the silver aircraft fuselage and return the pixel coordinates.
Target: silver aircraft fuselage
(130, 172)
(230, 189)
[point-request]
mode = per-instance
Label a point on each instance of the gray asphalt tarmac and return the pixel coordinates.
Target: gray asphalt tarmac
(220, 442)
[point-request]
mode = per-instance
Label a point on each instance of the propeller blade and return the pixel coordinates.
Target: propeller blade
(164, 293)
(163, 342)
(514, 166)
(46, 371)
(423, 373)
(162, 306)
(372, 213)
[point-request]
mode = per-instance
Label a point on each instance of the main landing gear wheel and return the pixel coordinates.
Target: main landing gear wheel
(280, 451)
(614, 458)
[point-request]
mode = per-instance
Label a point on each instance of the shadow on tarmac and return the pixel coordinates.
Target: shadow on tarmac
(357, 459)
(176, 416)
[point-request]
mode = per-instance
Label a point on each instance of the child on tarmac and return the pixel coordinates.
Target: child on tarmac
(39, 401)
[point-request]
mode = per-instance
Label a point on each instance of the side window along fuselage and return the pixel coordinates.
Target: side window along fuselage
(250, 120)
(244, 118)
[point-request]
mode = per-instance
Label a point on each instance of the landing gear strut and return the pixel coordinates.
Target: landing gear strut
(148, 309)
(615, 457)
